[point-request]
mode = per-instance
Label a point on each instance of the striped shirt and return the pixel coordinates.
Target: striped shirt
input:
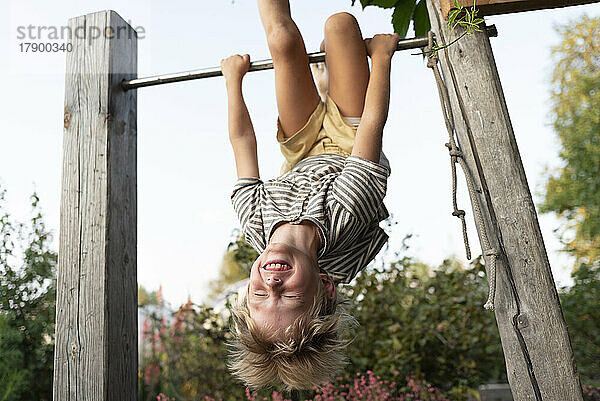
(342, 196)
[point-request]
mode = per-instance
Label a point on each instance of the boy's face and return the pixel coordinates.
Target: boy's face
(283, 284)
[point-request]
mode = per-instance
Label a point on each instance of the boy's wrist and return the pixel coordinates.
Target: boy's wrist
(381, 57)
(233, 82)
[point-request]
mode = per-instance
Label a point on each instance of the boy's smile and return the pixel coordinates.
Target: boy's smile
(277, 265)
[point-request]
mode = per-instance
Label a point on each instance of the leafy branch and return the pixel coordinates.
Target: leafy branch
(468, 20)
(416, 10)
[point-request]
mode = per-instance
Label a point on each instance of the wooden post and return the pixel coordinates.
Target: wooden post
(96, 312)
(537, 350)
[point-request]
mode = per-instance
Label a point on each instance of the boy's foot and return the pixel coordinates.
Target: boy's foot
(321, 77)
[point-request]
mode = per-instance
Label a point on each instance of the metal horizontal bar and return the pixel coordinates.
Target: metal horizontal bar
(260, 65)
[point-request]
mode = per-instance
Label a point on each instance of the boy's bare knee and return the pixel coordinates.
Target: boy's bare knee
(341, 23)
(283, 38)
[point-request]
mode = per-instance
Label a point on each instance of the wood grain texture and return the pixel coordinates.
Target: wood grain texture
(96, 313)
(494, 7)
(537, 349)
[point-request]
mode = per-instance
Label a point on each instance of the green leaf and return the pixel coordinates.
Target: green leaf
(420, 17)
(383, 3)
(452, 16)
(363, 3)
(402, 16)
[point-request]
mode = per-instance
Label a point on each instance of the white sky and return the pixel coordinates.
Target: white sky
(185, 166)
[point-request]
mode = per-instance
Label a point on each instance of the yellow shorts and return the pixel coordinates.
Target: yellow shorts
(324, 132)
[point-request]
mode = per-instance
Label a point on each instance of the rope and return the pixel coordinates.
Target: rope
(456, 156)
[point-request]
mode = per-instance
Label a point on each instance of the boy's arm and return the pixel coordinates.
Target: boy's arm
(241, 131)
(369, 133)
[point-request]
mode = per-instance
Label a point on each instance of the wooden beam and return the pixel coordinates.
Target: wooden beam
(95, 356)
(537, 350)
(494, 7)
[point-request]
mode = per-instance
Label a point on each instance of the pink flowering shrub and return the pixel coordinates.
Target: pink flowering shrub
(591, 393)
(363, 387)
(252, 396)
(371, 387)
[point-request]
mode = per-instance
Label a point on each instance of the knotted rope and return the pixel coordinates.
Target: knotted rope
(456, 156)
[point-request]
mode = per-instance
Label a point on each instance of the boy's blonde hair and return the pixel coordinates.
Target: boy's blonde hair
(310, 353)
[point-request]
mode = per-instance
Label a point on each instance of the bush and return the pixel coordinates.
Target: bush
(415, 319)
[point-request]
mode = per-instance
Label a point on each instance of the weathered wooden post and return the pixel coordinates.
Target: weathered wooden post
(539, 358)
(96, 313)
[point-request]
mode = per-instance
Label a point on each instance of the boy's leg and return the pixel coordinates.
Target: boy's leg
(346, 59)
(296, 93)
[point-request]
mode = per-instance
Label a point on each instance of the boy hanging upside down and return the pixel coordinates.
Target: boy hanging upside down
(316, 225)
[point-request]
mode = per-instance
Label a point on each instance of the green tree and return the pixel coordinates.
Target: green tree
(27, 306)
(573, 190)
(580, 308)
